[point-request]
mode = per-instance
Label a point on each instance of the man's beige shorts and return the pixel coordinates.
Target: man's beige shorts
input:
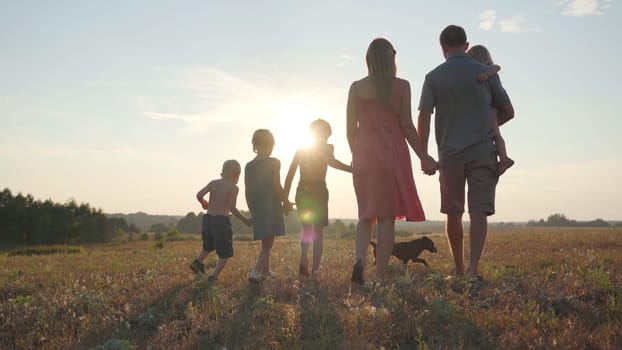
(479, 175)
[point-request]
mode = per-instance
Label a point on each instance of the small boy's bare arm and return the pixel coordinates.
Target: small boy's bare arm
(492, 70)
(339, 165)
(201, 194)
(290, 175)
(234, 210)
(246, 220)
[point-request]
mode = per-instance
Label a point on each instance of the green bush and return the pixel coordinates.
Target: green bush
(403, 233)
(47, 250)
(348, 235)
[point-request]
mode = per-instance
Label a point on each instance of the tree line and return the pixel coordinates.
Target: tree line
(560, 220)
(191, 223)
(24, 220)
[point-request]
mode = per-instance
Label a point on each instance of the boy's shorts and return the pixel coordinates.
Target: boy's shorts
(481, 178)
(217, 235)
(312, 203)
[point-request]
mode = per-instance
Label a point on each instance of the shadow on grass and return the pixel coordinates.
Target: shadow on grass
(320, 324)
(445, 326)
(235, 332)
(142, 324)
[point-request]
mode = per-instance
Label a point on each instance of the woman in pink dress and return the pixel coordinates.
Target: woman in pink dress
(379, 124)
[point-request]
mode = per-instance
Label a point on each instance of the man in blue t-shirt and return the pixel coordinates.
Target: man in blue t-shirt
(464, 135)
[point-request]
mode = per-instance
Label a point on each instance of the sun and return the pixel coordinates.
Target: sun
(291, 130)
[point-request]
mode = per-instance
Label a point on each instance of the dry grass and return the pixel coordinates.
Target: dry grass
(545, 288)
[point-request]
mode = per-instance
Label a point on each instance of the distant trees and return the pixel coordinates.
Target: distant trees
(191, 223)
(159, 228)
(24, 220)
(560, 220)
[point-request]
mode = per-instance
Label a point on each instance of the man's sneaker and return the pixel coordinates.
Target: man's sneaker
(197, 267)
(271, 274)
(357, 272)
(255, 277)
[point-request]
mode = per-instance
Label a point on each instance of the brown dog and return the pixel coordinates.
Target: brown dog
(410, 250)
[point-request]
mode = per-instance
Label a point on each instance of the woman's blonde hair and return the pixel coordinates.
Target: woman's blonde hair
(481, 54)
(381, 67)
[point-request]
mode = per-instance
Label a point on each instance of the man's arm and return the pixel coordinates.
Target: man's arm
(423, 127)
(423, 131)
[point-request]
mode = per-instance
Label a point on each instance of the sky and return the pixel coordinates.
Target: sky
(134, 105)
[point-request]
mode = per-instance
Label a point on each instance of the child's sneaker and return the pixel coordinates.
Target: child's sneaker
(212, 279)
(255, 277)
(503, 165)
(357, 272)
(197, 266)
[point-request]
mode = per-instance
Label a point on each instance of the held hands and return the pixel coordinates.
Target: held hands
(429, 166)
(287, 207)
(249, 221)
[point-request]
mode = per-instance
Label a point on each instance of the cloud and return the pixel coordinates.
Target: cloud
(581, 8)
(487, 19)
(343, 57)
(188, 118)
(32, 150)
(199, 97)
(513, 24)
(516, 24)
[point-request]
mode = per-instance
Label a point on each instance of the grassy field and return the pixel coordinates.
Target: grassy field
(545, 288)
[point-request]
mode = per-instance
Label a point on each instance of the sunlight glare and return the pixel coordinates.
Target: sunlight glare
(292, 130)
